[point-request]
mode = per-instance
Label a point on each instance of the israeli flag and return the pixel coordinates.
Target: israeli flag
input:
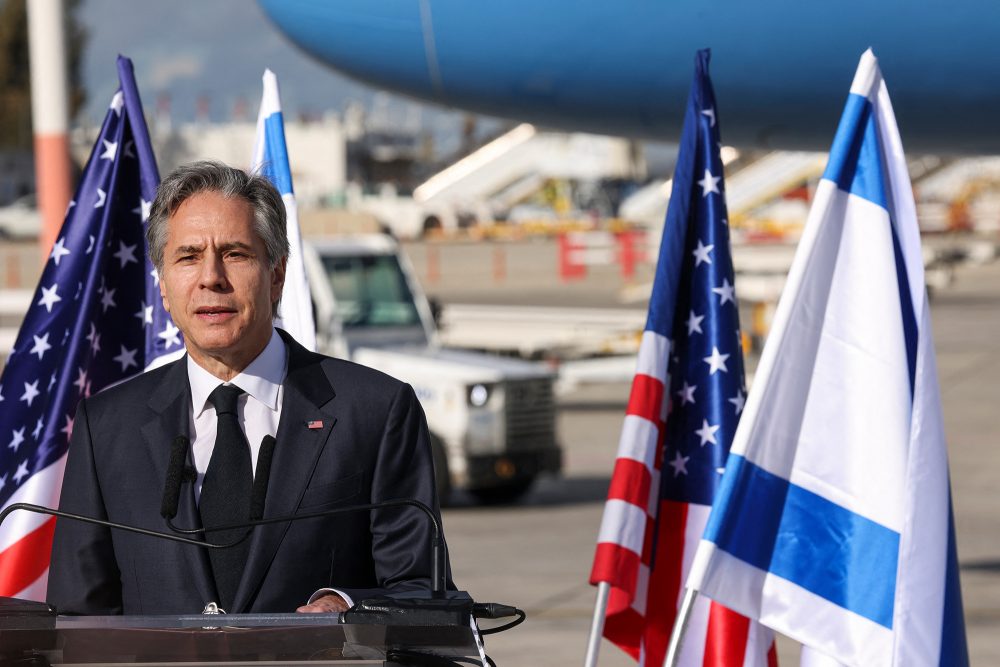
(833, 524)
(270, 158)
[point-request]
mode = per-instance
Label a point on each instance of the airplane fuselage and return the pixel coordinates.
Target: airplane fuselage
(781, 68)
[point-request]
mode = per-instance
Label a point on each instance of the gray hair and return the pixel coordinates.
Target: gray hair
(209, 176)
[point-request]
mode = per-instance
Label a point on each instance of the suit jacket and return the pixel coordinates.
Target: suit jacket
(373, 445)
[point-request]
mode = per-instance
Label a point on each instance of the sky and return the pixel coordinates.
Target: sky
(218, 49)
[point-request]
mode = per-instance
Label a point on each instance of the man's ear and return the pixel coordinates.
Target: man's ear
(163, 293)
(277, 278)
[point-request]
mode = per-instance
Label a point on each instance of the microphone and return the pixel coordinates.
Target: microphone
(175, 474)
(261, 477)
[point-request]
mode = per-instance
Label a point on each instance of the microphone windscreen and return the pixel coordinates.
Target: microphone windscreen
(175, 471)
(261, 477)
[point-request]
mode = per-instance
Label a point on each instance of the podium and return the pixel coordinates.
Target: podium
(42, 640)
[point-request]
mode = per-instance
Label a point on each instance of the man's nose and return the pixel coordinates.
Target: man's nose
(213, 273)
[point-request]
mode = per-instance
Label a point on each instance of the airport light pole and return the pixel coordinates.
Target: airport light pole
(49, 115)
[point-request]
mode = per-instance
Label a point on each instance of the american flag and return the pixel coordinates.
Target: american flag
(86, 329)
(685, 402)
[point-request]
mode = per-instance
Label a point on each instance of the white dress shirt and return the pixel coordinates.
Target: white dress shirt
(259, 408)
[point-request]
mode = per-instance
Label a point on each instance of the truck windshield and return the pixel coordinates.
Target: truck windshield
(371, 291)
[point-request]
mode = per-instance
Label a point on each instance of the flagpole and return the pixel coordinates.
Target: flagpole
(597, 625)
(680, 627)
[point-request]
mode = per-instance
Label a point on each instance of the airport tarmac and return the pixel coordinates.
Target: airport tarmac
(537, 554)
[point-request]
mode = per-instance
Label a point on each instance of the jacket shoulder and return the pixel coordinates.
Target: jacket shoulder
(341, 370)
(135, 391)
(342, 375)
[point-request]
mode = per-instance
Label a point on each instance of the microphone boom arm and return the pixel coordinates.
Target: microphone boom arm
(437, 544)
(39, 509)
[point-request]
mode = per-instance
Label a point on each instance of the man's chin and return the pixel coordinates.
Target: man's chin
(216, 343)
(229, 345)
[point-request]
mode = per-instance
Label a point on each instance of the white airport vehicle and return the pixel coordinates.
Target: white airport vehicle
(492, 419)
(20, 219)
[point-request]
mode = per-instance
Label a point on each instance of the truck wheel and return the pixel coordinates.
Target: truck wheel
(442, 478)
(432, 225)
(499, 495)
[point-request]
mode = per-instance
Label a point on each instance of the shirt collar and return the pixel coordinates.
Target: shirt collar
(261, 378)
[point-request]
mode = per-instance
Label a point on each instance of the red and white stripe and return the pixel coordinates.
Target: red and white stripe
(26, 538)
(644, 597)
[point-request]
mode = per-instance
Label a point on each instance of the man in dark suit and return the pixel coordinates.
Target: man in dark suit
(345, 434)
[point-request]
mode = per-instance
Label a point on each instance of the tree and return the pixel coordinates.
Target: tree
(15, 77)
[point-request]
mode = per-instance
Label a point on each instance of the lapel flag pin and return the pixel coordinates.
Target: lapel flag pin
(315, 423)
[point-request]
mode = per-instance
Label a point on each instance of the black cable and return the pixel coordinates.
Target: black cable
(497, 610)
(506, 626)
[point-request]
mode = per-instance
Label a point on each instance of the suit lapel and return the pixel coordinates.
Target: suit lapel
(306, 391)
(172, 402)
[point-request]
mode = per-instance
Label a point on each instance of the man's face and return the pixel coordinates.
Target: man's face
(216, 282)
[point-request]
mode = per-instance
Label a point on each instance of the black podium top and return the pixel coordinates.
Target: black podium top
(232, 639)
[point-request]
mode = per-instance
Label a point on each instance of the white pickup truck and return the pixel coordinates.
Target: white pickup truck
(491, 418)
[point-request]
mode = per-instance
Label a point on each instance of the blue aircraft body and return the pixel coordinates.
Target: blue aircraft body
(781, 68)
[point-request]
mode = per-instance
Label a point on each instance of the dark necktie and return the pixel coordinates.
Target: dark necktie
(225, 493)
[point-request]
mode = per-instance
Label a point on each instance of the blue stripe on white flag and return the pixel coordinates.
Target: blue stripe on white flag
(954, 650)
(806, 539)
(856, 164)
(910, 329)
(276, 165)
